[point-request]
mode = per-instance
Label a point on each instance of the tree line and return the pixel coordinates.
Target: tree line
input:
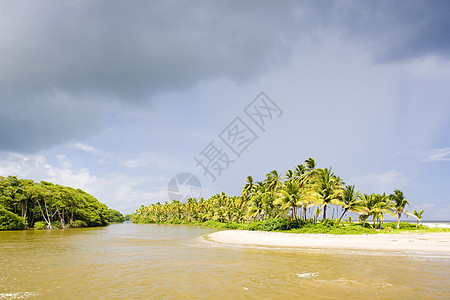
(44, 205)
(305, 194)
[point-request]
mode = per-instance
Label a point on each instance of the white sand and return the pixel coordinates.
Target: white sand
(416, 242)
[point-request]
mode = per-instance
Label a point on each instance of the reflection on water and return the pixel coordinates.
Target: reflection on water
(171, 261)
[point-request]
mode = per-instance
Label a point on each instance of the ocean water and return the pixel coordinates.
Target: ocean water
(174, 262)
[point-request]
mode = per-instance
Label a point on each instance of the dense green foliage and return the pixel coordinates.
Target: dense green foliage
(53, 205)
(10, 221)
(115, 216)
(308, 199)
(40, 225)
(77, 224)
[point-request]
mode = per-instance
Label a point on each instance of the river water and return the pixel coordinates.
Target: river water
(172, 262)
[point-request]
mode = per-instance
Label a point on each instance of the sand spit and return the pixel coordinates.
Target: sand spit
(416, 242)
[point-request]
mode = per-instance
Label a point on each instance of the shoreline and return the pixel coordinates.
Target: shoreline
(409, 242)
(436, 224)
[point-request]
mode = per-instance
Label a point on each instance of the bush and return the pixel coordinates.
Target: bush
(77, 224)
(254, 226)
(41, 225)
(231, 225)
(115, 216)
(403, 225)
(56, 225)
(330, 223)
(275, 224)
(10, 221)
(213, 224)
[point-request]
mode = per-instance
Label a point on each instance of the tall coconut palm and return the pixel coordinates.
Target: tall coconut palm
(191, 209)
(290, 175)
(290, 198)
(307, 201)
(316, 214)
(309, 171)
(310, 163)
(238, 208)
(364, 215)
(256, 204)
(299, 171)
(175, 208)
(351, 201)
(273, 184)
(377, 206)
(273, 181)
(399, 205)
(328, 188)
(418, 215)
(248, 188)
(256, 208)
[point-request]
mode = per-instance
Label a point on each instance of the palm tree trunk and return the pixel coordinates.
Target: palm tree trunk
(398, 221)
(289, 224)
(343, 213)
(324, 212)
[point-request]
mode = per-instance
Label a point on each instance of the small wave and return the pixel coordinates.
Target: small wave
(19, 295)
(347, 281)
(306, 275)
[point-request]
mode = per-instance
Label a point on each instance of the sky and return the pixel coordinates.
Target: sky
(119, 98)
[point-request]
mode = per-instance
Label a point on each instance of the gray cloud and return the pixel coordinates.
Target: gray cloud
(395, 30)
(136, 50)
(37, 123)
(92, 50)
(62, 63)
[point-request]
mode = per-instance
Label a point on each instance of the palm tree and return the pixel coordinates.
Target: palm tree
(290, 198)
(418, 215)
(175, 208)
(378, 205)
(299, 171)
(238, 208)
(363, 215)
(248, 188)
(399, 205)
(351, 201)
(256, 208)
(328, 188)
(272, 184)
(290, 175)
(316, 214)
(308, 171)
(272, 181)
(191, 209)
(256, 203)
(310, 163)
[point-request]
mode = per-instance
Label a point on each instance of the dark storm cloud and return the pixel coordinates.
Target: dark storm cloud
(396, 31)
(141, 48)
(61, 61)
(124, 51)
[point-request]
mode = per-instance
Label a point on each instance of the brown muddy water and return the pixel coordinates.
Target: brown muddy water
(130, 261)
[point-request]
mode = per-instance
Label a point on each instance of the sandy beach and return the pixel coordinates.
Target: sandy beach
(415, 242)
